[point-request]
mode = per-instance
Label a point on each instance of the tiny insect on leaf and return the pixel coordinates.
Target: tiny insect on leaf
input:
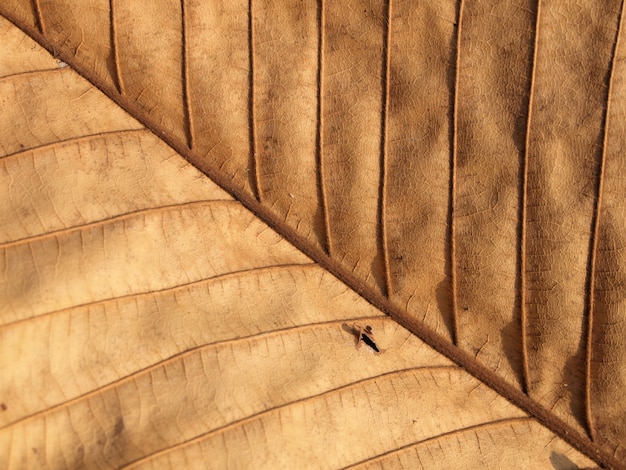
(363, 335)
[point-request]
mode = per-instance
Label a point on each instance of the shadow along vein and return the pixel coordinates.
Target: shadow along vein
(39, 24)
(188, 124)
(253, 161)
(319, 136)
(453, 165)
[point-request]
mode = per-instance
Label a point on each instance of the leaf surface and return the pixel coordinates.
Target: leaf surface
(423, 154)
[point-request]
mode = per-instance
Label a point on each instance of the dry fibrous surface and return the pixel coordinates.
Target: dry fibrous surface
(206, 205)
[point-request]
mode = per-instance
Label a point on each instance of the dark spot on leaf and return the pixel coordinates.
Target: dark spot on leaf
(573, 375)
(348, 329)
(511, 342)
(119, 426)
(443, 294)
(80, 457)
(561, 462)
(367, 340)
(3, 407)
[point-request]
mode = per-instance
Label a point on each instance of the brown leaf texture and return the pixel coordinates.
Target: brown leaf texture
(455, 165)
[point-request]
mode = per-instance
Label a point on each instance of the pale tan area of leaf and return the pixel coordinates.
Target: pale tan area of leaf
(166, 326)
(29, 108)
(202, 313)
(186, 243)
(105, 170)
(32, 57)
(404, 404)
(473, 448)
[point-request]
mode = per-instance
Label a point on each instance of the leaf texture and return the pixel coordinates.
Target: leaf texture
(459, 164)
(150, 320)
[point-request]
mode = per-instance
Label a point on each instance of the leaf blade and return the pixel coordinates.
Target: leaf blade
(351, 279)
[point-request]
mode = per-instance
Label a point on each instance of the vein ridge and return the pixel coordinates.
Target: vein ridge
(453, 182)
(117, 73)
(268, 411)
(254, 163)
(384, 121)
(524, 213)
(189, 130)
(181, 356)
(161, 291)
(112, 219)
(473, 428)
(39, 17)
(58, 143)
(319, 135)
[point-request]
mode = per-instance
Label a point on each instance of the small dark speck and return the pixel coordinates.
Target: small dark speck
(119, 426)
(3, 407)
(34, 449)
